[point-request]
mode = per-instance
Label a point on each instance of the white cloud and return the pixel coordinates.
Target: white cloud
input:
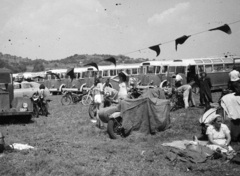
(168, 15)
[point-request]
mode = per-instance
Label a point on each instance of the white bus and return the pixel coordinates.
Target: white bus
(217, 68)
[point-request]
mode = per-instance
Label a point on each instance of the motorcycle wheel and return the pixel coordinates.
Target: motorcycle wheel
(114, 128)
(66, 100)
(86, 100)
(35, 111)
(92, 111)
(44, 110)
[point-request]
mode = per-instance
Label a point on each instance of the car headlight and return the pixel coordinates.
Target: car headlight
(25, 105)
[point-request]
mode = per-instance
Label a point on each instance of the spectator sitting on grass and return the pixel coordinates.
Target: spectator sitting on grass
(219, 135)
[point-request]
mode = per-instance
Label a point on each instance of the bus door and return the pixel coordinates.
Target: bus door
(219, 77)
(144, 77)
(171, 75)
(192, 73)
(89, 80)
(75, 82)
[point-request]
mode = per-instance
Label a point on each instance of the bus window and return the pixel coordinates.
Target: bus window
(112, 72)
(164, 69)
(84, 74)
(141, 70)
(218, 67)
(134, 71)
(208, 68)
(180, 69)
(200, 68)
(172, 69)
(150, 69)
(128, 71)
(157, 69)
(49, 77)
(228, 67)
(119, 71)
(105, 73)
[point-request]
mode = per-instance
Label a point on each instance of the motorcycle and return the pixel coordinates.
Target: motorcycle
(35, 101)
(70, 97)
(40, 106)
(111, 116)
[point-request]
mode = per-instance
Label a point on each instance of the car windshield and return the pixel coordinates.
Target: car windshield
(17, 86)
(26, 86)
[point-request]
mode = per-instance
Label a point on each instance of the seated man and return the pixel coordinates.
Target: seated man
(219, 135)
(187, 95)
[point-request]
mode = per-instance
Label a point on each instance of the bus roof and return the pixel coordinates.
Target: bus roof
(193, 61)
(155, 63)
(112, 67)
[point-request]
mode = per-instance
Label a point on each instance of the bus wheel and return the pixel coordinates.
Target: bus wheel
(195, 88)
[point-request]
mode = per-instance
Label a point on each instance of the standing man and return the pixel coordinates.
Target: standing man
(187, 95)
(205, 89)
(234, 83)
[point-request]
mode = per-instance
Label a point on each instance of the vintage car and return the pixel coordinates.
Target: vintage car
(10, 106)
(26, 89)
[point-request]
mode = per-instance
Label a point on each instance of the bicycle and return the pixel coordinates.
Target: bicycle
(87, 98)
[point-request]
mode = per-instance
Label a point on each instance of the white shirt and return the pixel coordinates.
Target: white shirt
(122, 94)
(178, 77)
(234, 75)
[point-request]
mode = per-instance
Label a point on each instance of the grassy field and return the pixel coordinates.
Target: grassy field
(67, 143)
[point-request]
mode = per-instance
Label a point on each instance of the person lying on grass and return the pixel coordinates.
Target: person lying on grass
(219, 135)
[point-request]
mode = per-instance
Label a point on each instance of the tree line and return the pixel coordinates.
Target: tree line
(18, 64)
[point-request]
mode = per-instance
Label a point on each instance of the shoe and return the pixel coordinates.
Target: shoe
(201, 104)
(193, 106)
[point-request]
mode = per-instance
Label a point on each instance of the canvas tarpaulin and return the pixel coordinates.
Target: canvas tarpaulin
(154, 93)
(145, 115)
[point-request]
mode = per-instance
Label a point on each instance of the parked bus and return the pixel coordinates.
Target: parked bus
(153, 72)
(110, 71)
(217, 68)
(57, 84)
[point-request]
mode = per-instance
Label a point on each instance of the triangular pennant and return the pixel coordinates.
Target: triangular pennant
(225, 28)
(181, 40)
(93, 64)
(155, 48)
(112, 59)
(70, 72)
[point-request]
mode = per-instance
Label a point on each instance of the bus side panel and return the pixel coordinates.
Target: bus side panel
(78, 83)
(54, 83)
(47, 83)
(89, 82)
(219, 79)
(144, 79)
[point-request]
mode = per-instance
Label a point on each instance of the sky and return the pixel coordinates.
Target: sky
(56, 29)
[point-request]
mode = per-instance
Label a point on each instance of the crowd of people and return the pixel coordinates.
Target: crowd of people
(217, 133)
